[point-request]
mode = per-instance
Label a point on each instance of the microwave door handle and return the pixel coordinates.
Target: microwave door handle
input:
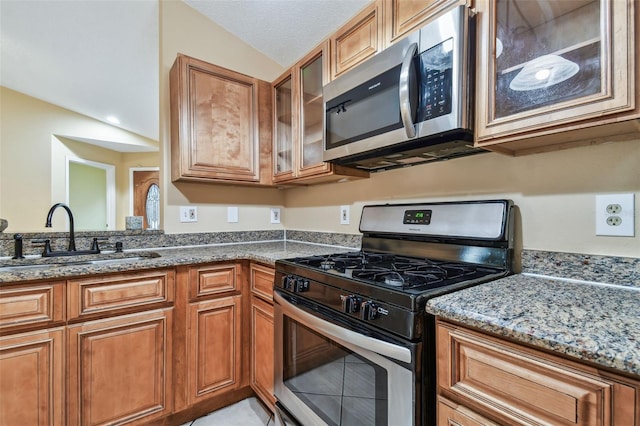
(405, 103)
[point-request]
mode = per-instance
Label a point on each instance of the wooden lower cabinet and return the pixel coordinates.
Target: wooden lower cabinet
(214, 360)
(517, 385)
(452, 414)
(120, 369)
(262, 350)
(32, 378)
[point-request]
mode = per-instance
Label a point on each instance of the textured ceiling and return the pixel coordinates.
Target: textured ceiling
(100, 57)
(284, 30)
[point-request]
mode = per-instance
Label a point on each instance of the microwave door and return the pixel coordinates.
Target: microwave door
(375, 114)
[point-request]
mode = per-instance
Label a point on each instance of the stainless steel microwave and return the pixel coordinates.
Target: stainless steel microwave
(409, 104)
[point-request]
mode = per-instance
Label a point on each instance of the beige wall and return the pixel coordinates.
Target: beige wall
(183, 30)
(555, 194)
(35, 138)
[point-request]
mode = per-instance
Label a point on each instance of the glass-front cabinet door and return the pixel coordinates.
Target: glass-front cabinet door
(312, 76)
(551, 64)
(283, 152)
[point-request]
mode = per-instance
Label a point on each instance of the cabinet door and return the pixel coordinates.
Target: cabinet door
(284, 148)
(120, 369)
(358, 40)
(404, 16)
(452, 414)
(528, 387)
(32, 378)
(551, 73)
(214, 123)
(262, 350)
(31, 305)
(262, 279)
(312, 76)
(214, 348)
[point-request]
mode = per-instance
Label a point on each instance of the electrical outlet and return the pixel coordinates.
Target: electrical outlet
(188, 214)
(615, 215)
(275, 215)
(232, 214)
(344, 215)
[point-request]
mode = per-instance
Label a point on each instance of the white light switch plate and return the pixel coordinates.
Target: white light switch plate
(615, 215)
(232, 214)
(344, 215)
(188, 214)
(275, 215)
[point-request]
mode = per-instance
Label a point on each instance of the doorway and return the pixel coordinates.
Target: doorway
(145, 184)
(91, 194)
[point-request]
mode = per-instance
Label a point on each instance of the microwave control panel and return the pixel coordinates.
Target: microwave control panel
(435, 66)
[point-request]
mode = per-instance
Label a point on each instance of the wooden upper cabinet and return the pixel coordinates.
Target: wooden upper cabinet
(298, 139)
(357, 40)
(557, 76)
(218, 120)
(404, 16)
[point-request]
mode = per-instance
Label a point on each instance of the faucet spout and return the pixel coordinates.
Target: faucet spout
(72, 236)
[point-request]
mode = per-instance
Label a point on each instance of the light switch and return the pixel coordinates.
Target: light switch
(232, 214)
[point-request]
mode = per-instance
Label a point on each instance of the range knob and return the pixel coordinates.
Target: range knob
(350, 304)
(295, 284)
(301, 285)
(368, 310)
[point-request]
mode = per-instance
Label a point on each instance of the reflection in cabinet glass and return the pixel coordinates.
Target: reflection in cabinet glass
(312, 112)
(546, 53)
(283, 131)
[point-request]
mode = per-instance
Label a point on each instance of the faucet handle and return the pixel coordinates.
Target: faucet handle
(94, 244)
(47, 246)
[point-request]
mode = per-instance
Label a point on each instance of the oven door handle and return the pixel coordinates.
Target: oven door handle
(341, 334)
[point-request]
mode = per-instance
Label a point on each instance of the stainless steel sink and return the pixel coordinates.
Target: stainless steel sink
(43, 264)
(12, 268)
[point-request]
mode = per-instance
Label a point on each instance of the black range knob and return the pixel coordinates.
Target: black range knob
(368, 310)
(350, 304)
(295, 284)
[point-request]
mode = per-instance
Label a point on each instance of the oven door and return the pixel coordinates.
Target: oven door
(327, 373)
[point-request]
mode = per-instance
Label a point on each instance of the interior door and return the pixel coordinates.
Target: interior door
(143, 182)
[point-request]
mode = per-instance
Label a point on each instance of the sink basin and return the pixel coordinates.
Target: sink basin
(43, 264)
(14, 268)
(117, 261)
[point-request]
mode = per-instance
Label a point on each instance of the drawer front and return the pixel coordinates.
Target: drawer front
(119, 292)
(262, 281)
(525, 387)
(24, 306)
(212, 279)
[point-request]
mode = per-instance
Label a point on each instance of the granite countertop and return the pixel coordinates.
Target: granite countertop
(587, 321)
(265, 252)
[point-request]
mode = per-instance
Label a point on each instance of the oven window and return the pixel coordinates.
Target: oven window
(340, 386)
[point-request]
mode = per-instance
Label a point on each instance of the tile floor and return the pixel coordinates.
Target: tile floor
(248, 412)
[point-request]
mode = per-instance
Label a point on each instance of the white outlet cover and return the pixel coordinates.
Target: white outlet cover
(344, 215)
(188, 214)
(232, 214)
(627, 216)
(275, 215)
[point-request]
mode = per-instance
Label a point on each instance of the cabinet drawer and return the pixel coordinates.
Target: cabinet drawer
(25, 306)
(525, 386)
(116, 292)
(262, 281)
(212, 279)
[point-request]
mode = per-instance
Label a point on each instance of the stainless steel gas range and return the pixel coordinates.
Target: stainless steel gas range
(353, 344)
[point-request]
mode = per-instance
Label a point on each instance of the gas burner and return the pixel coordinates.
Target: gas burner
(327, 264)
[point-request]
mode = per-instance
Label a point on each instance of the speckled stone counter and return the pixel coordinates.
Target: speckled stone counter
(266, 252)
(586, 321)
